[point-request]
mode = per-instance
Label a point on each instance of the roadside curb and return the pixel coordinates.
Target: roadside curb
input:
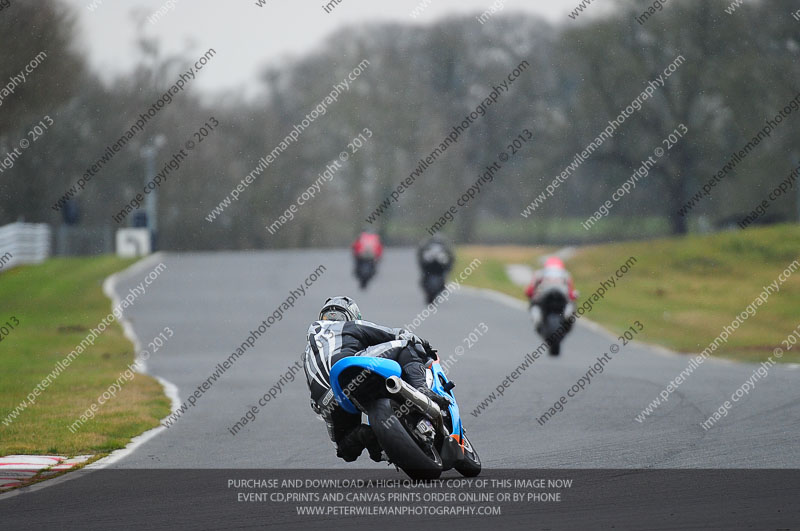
(20, 470)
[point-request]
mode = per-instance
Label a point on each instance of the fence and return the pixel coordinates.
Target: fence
(83, 240)
(23, 243)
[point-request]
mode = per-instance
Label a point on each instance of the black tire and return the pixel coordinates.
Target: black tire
(553, 323)
(365, 271)
(471, 465)
(433, 285)
(555, 348)
(399, 445)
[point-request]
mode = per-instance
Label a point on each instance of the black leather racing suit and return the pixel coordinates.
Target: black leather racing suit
(330, 341)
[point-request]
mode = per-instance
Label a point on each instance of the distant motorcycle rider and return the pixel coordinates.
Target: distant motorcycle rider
(554, 276)
(367, 246)
(434, 256)
(339, 332)
(367, 251)
(435, 260)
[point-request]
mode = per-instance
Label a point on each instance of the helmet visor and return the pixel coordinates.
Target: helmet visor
(334, 313)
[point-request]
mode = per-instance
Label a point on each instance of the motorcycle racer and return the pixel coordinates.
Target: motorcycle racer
(553, 276)
(340, 332)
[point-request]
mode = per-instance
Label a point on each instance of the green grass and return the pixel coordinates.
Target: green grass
(492, 271)
(540, 230)
(684, 290)
(56, 304)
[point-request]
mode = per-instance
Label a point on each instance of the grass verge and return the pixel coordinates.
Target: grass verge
(56, 303)
(684, 290)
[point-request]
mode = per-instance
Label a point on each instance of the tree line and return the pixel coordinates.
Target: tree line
(418, 82)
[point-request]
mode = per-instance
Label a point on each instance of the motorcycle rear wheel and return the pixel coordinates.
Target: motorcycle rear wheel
(552, 324)
(399, 445)
(555, 348)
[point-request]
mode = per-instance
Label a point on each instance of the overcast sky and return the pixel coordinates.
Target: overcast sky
(247, 37)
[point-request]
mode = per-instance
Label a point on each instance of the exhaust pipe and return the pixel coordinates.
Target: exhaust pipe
(397, 386)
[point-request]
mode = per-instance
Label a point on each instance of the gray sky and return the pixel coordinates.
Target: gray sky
(247, 37)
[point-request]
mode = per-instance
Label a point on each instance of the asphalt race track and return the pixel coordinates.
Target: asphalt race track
(213, 301)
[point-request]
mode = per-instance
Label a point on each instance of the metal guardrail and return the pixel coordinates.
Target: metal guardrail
(24, 243)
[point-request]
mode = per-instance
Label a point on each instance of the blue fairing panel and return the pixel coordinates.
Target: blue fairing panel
(380, 366)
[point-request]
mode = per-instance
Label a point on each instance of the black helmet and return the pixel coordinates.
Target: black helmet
(340, 308)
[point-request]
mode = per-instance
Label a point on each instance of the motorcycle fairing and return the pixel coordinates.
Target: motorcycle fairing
(380, 366)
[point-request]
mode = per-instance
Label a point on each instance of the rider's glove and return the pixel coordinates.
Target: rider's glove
(429, 350)
(408, 336)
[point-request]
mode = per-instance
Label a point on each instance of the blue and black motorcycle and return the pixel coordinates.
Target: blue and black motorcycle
(415, 434)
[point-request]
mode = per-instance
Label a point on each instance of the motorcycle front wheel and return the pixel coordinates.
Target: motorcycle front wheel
(471, 465)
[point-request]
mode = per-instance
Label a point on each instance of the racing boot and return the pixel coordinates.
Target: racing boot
(351, 445)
